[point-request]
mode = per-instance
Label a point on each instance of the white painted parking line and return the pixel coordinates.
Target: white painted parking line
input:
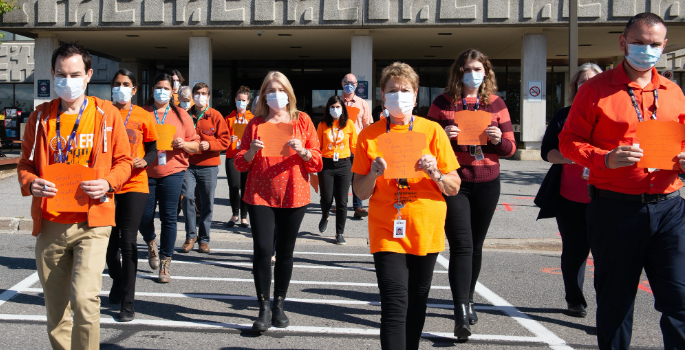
(296, 252)
(291, 329)
(18, 288)
(523, 319)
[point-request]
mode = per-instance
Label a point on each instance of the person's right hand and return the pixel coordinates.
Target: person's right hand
(234, 138)
(43, 188)
(256, 145)
(452, 131)
(624, 156)
(378, 166)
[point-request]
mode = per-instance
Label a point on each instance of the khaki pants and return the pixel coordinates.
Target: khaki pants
(70, 259)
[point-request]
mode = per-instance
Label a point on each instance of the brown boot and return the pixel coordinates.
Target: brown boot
(360, 213)
(188, 245)
(204, 248)
(153, 255)
(165, 271)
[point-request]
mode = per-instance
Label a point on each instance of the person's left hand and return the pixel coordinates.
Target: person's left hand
(204, 145)
(494, 133)
(139, 163)
(296, 145)
(429, 165)
(681, 156)
(178, 143)
(95, 188)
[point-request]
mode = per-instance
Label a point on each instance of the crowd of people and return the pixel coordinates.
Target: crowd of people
(632, 217)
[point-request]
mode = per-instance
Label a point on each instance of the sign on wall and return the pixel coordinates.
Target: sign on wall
(43, 88)
(363, 90)
(534, 91)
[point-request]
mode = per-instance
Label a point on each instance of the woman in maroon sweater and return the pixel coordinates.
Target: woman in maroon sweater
(472, 86)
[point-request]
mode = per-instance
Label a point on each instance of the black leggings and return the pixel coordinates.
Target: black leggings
(236, 189)
(129, 211)
(404, 281)
(469, 214)
(284, 223)
(575, 248)
(334, 181)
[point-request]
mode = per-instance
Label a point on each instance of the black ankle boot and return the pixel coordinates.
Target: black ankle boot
(473, 317)
(263, 321)
(279, 319)
(462, 330)
(127, 313)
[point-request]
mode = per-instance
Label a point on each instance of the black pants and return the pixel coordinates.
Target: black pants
(626, 237)
(284, 223)
(122, 266)
(404, 281)
(334, 181)
(469, 214)
(236, 189)
(575, 248)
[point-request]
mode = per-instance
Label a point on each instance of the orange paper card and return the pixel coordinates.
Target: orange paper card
(275, 138)
(661, 143)
(472, 125)
(314, 181)
(67, 179)
(402, 151)
(353, 113)
(239, 130)
(165, 136)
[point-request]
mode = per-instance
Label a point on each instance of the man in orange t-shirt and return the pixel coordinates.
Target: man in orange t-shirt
(636, 217)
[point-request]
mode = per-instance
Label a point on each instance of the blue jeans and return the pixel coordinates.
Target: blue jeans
(166, 191)
(204, 178)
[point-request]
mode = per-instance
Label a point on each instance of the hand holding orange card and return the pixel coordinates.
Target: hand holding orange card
(239, 130)
(165, 136)
(402, 151)
(661, 143)
(352, 113)
(67, 179)
(275, 138)
(472, 125)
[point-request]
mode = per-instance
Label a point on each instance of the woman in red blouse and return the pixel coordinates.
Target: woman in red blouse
(277, 192)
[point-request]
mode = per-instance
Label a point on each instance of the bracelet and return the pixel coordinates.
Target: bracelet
(606, 159)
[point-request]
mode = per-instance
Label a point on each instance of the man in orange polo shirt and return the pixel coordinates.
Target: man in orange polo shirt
(77, 130)
(636, 218)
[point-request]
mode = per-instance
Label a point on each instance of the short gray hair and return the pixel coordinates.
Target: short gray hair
(185, 92)
(573, 85)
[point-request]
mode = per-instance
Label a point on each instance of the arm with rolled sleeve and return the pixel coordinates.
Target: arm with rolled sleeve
(367, 119)
(574, 139)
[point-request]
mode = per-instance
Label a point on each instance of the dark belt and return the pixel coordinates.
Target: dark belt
(595, 192)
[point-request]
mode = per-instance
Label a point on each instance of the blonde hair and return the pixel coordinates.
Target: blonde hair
(455, 86)
(400, 71)
(262, 109)
(573, 85)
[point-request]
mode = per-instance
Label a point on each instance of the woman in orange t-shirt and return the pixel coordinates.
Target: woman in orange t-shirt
(406, 216)
(130, 200)
(236, 179)
(277, 190)
(338, 138)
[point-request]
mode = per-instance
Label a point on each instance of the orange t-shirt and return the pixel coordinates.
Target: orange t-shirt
(333, 139)
(79, 153)
(232, 119)
(140, 128)
(425, 209)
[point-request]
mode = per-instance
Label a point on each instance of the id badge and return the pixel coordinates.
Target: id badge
(161, 158)
(479, 153)
(336, 156)
(237, 144)
(104, 199)
(399, 229)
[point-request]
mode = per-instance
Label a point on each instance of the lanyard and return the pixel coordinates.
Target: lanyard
(72, 136)
(240, 120)
(129, 115)
(200, 117)
(465, 107)
(165, 112)
(637, 108)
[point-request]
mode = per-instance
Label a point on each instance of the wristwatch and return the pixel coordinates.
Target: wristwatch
(442, 176)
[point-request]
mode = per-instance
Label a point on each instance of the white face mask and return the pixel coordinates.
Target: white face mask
(336, 112)
(399, 104)
(162, 96)
(69, 89)
(122, 94)
(277, 100)
(200, 100)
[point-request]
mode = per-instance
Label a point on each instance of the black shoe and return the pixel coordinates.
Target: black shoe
(473, 317)
(115, 295)
(244, 225)
(278, 317)
(340, 240)
(263, 321)
(576, 310)
(462, 330)
(230, 224)
(127, 313)
(323, 225)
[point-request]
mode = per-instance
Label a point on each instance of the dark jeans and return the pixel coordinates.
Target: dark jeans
(166, 191)
(122, 266)
(468, 218)
(334, 181)
(575, 248)
(626, 237)
(284, 223)
(200, 180)
(404, 281)
(236, 189)
(356, 202)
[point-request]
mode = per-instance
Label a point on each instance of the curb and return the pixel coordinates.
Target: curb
(15, 225)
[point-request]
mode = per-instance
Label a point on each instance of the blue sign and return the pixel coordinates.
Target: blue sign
(43, 88)
(363, 90)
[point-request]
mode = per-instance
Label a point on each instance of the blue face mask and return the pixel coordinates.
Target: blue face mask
(185, 105)
(643, 57)
(241, 104)
(162, 95)
(349, 88)
(473, 80)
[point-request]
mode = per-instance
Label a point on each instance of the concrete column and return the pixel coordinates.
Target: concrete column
(45, 45)
(533, 111)
(200, 58)
(573, 37)
(134, 66)
(362, 61)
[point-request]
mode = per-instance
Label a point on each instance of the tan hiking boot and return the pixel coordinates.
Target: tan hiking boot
(153, 255)
(188, 245)
(165, 271)
(204, 248)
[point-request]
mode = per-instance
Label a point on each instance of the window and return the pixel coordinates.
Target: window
(23, 97)
(103, 91)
